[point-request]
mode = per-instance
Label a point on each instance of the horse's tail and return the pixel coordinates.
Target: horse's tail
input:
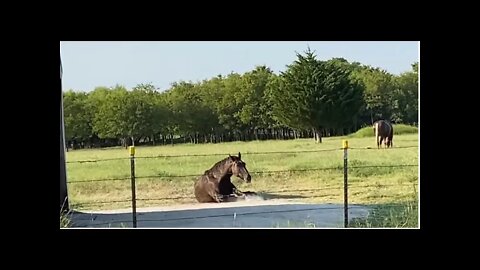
(390, 136)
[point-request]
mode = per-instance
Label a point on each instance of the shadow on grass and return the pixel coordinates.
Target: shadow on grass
(391, 215)
(270, 196)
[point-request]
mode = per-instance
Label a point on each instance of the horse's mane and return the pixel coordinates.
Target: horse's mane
(219, 163)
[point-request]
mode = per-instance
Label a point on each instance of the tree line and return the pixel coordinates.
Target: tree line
(311, 98)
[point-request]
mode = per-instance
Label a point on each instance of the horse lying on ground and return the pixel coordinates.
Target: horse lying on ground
(215, 184)
(383, 131)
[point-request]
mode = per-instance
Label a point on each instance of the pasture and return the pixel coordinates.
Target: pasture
(166, 181)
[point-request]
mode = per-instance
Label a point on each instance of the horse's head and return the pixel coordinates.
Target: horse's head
(239, 168)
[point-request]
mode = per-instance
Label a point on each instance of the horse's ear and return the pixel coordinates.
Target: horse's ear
(230, 157)
(239, 155)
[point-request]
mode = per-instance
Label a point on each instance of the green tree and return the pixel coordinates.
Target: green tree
(139, 112)
(194, 118)
(122, 114)
(109, 120)
(379, 96)
(344, 95)
(315, 95)
(406, 97)
(78, 119)
(251, 98)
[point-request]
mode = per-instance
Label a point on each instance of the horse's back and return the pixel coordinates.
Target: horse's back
(387, 130)
(384, 128)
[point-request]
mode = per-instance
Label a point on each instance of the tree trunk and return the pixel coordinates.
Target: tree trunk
(317, 135)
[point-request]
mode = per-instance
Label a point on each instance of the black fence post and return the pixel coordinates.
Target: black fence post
(345, 182)
(134, 199)
(64, 205)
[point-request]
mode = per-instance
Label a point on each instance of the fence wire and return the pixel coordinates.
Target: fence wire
(375, 148)
(100, 202)
(339, 167)
(97, 160)
(244, 153)
(100, 180)
(221, 215)
(237, 214)
(269, 192)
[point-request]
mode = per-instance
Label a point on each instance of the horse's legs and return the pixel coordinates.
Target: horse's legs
(235, 190)
(218, 197)
(214, 193)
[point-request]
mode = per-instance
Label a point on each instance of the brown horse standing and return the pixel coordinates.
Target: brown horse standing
(215, 184)
(383, 131)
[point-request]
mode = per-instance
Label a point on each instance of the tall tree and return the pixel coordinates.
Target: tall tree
(251, 98)
(315, 95)
(344, 93)
(78, 119)
(405, 108)
(379, 87)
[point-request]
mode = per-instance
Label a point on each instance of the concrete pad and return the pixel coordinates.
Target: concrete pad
(240, 214)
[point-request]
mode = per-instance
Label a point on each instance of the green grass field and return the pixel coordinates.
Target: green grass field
(157, 183)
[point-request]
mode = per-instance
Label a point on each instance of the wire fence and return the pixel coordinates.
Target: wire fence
(133, 178)
(270, 192)
(258, 172)
(225, 215)
(246, 153)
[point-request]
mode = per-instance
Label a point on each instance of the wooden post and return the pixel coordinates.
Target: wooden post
(134, 197)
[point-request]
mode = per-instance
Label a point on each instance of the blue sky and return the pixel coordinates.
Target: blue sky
(87, 65)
